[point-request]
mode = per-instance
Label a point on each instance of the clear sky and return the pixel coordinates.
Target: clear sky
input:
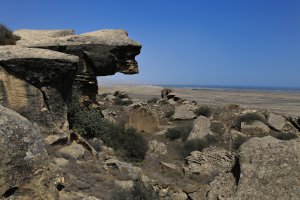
(203, 42)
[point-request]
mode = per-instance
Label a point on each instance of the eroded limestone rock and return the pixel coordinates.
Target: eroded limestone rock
(37, 83)
(24, 169)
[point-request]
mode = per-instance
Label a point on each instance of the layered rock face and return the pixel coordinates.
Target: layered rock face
(24, 170)
(37, 75)
(37, 84)
(100, 53)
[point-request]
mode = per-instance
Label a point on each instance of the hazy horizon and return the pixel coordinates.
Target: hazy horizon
(228, 43)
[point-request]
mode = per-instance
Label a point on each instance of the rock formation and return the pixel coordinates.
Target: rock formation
(37, 84)
(37, 75)
(267, 168)
(101, 53)
(24, 170)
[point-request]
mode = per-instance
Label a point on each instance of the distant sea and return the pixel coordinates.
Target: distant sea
(217, 87)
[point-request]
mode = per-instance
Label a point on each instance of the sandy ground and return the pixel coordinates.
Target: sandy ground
(282, 102)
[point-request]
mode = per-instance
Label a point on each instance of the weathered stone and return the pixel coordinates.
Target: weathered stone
(158, 148)
(255, 128)
(276, 121)
(270, 169)
(143, 119)
(125, 185)
(24, 169)
(61, 162)
(123, 167)
(267, 168)
(179, 195)
(37, 83)
(58, 139)
(168, 166)
(210, 162)
(183, 112)
(74, 150)
(199, 194)
(201, 128)
(222, 187)
(165, 92)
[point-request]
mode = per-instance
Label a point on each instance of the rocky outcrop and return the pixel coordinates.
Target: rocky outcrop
(101, 53)
(210, 162)
(37, 74)
(24, 170)
(267, 168)
(37, 84)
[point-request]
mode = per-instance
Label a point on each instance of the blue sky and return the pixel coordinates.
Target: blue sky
(204, 42)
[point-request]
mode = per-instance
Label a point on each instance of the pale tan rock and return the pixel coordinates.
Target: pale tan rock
(158, 148)
(201, 128)
(74, 150)
(183, 112)
(276, 121)
(143, 120)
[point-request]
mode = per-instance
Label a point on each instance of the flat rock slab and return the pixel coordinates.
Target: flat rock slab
(255, 128)
(183, 112)
(201, 128)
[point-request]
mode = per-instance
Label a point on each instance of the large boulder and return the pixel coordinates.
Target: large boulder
(37, 83)
(267, 168)
(183, 112)
(280, 123)
(24, 170)
(210, 162)
(143, 119)
(201, 128)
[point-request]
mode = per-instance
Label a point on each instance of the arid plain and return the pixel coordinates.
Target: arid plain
(281, 102)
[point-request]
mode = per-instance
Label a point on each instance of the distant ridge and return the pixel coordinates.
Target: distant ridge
(218, 87)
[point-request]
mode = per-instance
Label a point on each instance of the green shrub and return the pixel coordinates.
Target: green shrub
(180, 131)
(134, 144)
(198, 144)
(173, 134)
(138, 192)
(141, 192)
(249, 118)
(153, 100)
(90, 123)
(6, 36)
(286, 136)
(204, 111)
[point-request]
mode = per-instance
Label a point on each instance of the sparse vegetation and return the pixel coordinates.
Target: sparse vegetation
(138, 192)
(204, 111)
(286, 136)
(90, 123)
(135, 146)
(6, 36)
(153, 100)
(181, 131)
(198, 144)
(249, 118)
